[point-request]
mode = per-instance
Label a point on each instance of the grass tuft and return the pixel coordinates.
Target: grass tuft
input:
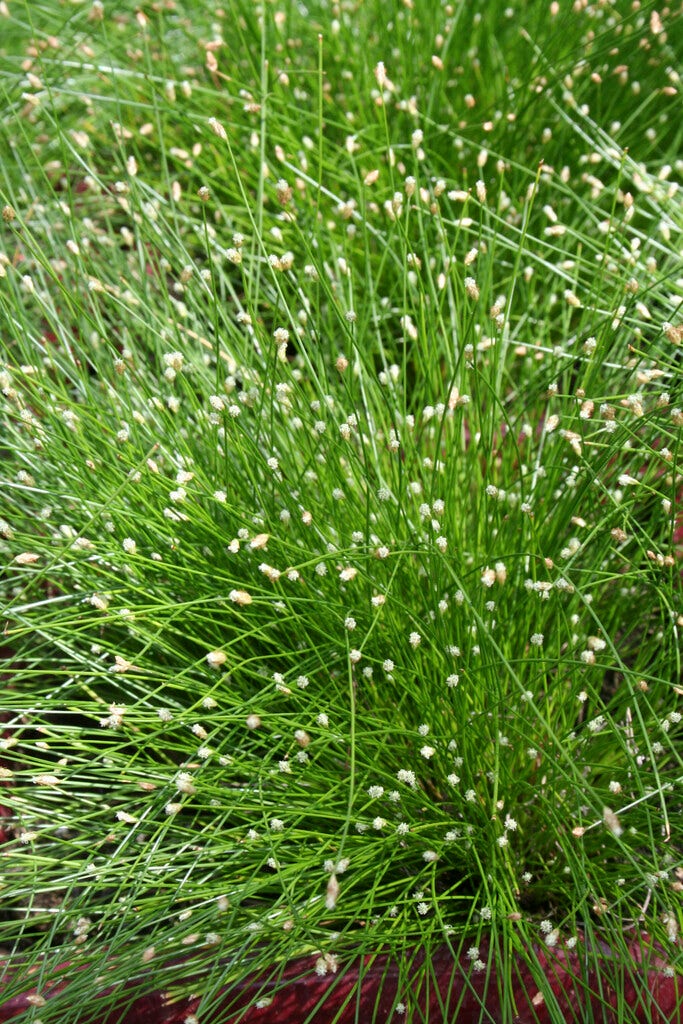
(341, 409)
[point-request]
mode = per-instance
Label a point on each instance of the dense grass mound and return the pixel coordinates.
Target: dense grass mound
(341, 409)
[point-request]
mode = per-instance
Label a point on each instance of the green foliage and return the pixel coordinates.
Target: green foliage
(341, 442)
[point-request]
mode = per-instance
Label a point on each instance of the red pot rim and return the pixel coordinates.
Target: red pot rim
(370, 988)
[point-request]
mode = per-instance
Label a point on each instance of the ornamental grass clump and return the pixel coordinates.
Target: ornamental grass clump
(341, 599)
